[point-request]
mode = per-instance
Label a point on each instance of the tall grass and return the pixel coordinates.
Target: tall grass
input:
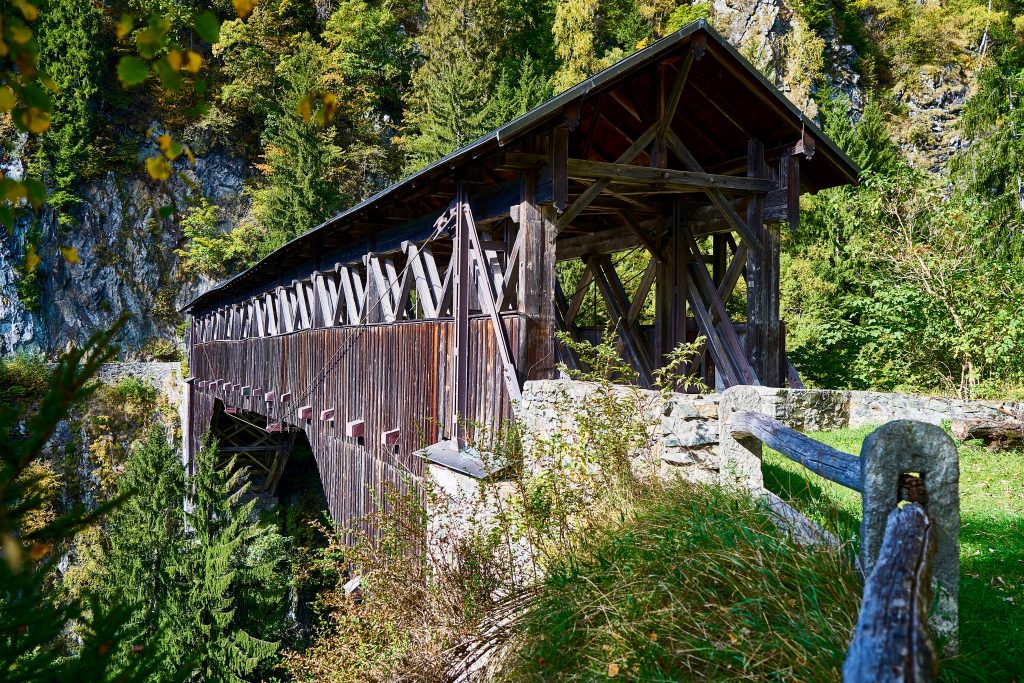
(693, 583)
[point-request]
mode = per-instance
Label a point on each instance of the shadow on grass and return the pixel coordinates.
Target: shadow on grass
(991, 547)
(812, 499)
(991, 601)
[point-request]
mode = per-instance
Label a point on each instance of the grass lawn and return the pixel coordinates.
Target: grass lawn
(991, 546)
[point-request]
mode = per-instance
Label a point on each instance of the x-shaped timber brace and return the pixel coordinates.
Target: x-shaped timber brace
(495, 259)
(244, 436)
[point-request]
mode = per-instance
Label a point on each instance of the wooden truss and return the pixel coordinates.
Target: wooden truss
(244, 437)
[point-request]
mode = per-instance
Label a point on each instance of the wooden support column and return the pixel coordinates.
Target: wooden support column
(535, 356)
(463, 283)
(763, 336)
(671, 291)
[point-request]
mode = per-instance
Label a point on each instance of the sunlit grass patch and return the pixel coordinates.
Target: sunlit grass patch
(694, 583)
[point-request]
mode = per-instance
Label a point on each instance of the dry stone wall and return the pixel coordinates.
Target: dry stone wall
(686, 427)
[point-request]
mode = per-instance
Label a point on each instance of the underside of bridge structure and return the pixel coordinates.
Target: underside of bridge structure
(428, 305)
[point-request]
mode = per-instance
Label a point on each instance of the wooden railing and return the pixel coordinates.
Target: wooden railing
(907, 475)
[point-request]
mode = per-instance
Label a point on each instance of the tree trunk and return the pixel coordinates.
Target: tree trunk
(998, 434)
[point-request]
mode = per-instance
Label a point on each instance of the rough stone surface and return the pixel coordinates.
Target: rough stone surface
(687, 434)
(872, 408)
(684, 428)
(740, 464)
(907, 446)
(127, 261)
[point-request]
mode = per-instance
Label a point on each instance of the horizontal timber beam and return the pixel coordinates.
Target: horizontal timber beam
(683, 181)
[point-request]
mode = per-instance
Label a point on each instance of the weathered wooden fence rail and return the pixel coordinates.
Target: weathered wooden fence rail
(908, 477)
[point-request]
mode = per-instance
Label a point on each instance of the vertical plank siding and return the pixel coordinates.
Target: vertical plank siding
(392, 377)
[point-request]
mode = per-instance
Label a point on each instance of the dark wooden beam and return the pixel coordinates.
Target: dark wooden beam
(630, 174)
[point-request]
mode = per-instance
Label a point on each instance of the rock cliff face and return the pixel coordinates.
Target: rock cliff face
(127, 263)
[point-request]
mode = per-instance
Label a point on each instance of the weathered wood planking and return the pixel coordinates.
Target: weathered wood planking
(395, 376)
(892, 643)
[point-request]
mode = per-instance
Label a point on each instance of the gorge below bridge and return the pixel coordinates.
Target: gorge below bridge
(416, 316)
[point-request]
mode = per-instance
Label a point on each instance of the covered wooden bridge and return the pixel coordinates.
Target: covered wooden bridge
(426, 307)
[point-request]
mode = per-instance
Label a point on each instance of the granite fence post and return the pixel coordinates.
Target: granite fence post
(911, 447)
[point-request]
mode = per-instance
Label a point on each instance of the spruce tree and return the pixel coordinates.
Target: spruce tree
(484, 61)
(35, 620)
(144, 537)
(304, 168)
(71, 53)
(208, 621)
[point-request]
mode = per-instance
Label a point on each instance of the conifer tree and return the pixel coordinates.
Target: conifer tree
(72, 55)
(484, 62)
(206, 623)
(144, 536)
(34, 622)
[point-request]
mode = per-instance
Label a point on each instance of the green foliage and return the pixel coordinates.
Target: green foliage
(476, 72)
(72, 53)
(684, 15)
(899, 284)
(143, 541)
(991, 544)
(35, 625)
(23, 379)
(225, 608)
(211, 251)
(301, 188)
(208, 579)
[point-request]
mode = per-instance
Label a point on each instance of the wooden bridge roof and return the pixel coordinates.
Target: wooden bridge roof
(726, 102)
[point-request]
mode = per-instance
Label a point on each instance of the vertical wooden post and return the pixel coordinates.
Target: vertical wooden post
(719, 265)
(671, 291)
(762, 282)
(463, 284)
(535, 356)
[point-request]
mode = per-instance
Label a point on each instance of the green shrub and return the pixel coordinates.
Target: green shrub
(24, 378)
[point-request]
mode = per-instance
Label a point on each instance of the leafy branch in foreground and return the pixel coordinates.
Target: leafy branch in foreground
(33, 622)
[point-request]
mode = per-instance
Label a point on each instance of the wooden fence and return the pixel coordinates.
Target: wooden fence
(907, 475)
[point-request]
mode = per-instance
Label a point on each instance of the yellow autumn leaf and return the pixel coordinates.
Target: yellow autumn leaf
(38, 551)
(305, 108)
(124, 26)
(193, 62)
(13, 191)
(613, 670)
(3, 48)
(12, 551)
(164, 142)
(326, 113)
(20, 34)
(7, 98)
(158, 168)
(191, 157)
(32, 259)
(70, 254)
(35, 120)
(28, 10)
(243, 8)
(174, 60)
